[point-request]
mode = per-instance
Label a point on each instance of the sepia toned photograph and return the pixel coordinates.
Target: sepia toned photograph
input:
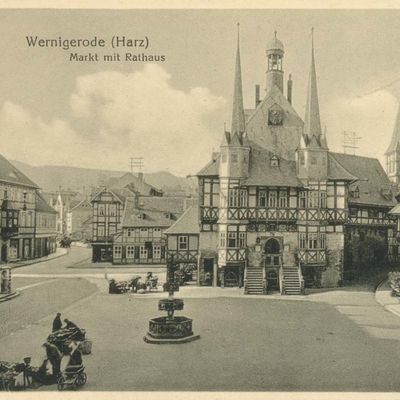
(199, 200)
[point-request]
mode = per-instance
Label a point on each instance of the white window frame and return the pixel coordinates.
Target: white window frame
(183, 242)
(117, 251)
(156, 252)
(130, 251)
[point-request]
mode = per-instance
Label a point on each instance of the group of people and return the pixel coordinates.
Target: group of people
(57, 324)
(55, 356)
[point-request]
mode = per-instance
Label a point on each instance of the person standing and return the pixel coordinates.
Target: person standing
(57, 324)
(54, 356)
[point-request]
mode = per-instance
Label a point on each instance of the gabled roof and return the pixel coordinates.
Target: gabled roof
(146, 217)
(83, 204)
(134, 182)
(11, 174)
(395, 210)
(372, 182)
(173, 205)
(120, 194)
(42, 206)
(188, 223)
(275, 96)
(337, 172)
(212, 168)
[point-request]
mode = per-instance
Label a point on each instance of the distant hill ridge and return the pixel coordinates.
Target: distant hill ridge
(51, 177)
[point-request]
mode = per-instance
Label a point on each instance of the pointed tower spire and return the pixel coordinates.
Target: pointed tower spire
(323, 140)
(312, 122)
(395, 141)
(238, 122)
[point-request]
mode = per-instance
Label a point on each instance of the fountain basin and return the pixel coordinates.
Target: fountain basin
(170, 330)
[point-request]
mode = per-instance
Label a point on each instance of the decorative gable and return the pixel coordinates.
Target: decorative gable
(275, 115)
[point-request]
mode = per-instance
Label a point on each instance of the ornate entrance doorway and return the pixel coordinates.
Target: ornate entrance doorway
(272, 250)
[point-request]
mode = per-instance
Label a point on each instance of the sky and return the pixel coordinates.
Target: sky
(99, 114)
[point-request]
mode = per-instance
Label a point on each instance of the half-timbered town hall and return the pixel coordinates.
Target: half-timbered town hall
(278, 210)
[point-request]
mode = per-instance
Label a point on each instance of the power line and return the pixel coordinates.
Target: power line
(350, 141)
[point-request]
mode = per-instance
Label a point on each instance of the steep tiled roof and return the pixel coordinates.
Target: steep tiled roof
(132, 180)
(42, 206)
(146, 217)
(212, 168)
(173, 205)
(373, 184)
(187, 223)
(82, 204)
(336, 171)
(10, 174)
(120, 194)
(261, 173)
(395, 210)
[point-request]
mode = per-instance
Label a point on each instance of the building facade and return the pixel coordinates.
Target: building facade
(76, 220)
(26, 219)
(142, 239)
(277, 209)
(45, 234)
(108, 206)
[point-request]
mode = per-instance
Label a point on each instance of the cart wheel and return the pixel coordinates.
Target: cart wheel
(82, 378)
(61, 383)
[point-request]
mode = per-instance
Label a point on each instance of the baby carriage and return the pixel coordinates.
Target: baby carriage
(72, 378)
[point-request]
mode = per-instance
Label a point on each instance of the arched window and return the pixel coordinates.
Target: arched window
(272, 247)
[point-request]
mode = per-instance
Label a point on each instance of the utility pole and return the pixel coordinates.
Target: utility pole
(350, 141)
(136, 163)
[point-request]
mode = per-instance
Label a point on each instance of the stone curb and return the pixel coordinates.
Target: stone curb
(384, 298)
(9, 296)
(36, 261)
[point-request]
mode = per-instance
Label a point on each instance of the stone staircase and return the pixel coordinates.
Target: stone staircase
(291, 280)
(254, 282)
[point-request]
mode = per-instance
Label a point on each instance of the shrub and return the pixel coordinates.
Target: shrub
(394, 281)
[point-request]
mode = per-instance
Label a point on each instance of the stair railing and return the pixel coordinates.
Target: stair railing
(281, 279)
(245, 286)
(264, 269)
(301, 280)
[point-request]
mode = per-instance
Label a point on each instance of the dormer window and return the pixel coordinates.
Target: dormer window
(355, 193)
(168, 215)
(274, 161)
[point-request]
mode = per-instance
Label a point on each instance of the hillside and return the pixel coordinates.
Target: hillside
(51, 177)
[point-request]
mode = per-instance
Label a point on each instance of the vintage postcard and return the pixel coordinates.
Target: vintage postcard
(199, 200)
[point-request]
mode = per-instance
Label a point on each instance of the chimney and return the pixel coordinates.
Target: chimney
(140, 176)
(136, 200)
(257, 98)
(289, 89)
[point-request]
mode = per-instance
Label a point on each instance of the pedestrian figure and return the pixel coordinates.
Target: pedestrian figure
(54, 356)
(75, 359)
(69, 324)
(57, 324)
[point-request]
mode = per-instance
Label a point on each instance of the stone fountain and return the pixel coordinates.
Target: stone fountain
(170, 328)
